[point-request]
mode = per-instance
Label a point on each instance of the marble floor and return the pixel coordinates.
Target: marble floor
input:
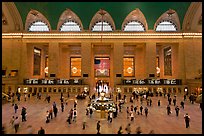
(157, 119)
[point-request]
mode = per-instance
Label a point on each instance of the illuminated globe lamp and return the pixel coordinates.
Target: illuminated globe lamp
(74, 70)
(158, 70)
(129, 70)
(46, 70)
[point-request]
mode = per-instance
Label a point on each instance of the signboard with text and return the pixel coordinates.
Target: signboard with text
(52, 82)
(152, 82)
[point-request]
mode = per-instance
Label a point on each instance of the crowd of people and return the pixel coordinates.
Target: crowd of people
(131, 111)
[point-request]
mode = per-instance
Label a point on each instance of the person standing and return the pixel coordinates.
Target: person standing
(177, 110)
(16, 124)
(146, 111)
(159, 102)
(187, 120)
(41, 131)
(98, 127)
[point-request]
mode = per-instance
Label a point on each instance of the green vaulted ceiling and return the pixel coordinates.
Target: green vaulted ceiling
(118, 10)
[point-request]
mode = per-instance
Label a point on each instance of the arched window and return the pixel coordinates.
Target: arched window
(98, 27)
(166, 26)
(70, 25)
(134, 26)
(38, 26)
(37, 22)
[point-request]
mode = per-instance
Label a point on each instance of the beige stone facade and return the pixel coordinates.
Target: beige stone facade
(18, 46)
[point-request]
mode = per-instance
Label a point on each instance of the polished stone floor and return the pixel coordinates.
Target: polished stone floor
(157, 119)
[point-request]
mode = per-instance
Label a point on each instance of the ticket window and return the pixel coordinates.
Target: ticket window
(59, 89)
(44, 89)
(50, 90)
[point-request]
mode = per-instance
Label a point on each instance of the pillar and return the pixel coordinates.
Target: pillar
(150, 59)
(87, 64)
(53, 54)
(117, 55)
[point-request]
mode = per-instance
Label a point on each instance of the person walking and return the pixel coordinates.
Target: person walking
(187, 120)
(128, 129)
(50, 113)
(150, 102)
(135, 109)
(41, 131)
(174, 101)
(23, 113)
(12, 121)
(169, 100)
(98, 127)
(54, 105)
(127, 111)
(47, 117)
(111, 117)
(177, 110)
(62, 106)
(141, 109)
(146, 111)
(55, 111)
(91, 112)
(182, 104)
(120, 130)
(69, 120)
(168, 109)
(16, 124)
(15, 108)
(74, 115)
(131, 115)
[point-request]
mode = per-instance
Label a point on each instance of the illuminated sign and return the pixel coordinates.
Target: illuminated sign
(52, 82)
(152, 82)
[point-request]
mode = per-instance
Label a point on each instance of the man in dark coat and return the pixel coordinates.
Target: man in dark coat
(177, 110)
(41, 131)
(23, 113)
(55, 111)
(187, 120)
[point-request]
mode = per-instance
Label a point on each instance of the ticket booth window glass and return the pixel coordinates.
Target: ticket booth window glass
(75, 67)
